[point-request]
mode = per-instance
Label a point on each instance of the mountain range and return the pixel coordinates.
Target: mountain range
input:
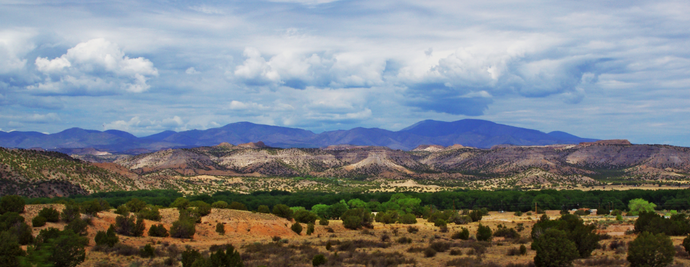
(468, 132)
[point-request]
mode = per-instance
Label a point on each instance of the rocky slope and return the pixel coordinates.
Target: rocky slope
(596, 159)
(38, 173)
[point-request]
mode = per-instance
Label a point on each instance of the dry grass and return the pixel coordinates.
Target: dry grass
(264, 239)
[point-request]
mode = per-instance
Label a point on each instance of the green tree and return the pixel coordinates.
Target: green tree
(283, 211)
(686, 244)
(336, 210)
(305, 216)
(297, 228)
(263, 209)
(318, 260)
(484, 233)
(11, 203)
(180, 203)
(147, 251)
(201, 208)
(158, 230)
(323, 222)
(650, 250)
(356, 203)
(310, 228)
(150, 213)
(38, 221)
(70, 213)
(228, 258)
(10, 251)
(183, 229)
(408, 218)
(356, 218)
(220, 205)
(464, 234)
(78, 226)
(189, 256)
(67, 250)
(220, 228)
(51, 214)
(638, 205)
(108, 238)
(320, 210)
(237, 206)
(554, 249)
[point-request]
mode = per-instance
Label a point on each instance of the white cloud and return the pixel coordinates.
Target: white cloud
(94, 67)
(191, 71)
(14, 45)
(299, 70)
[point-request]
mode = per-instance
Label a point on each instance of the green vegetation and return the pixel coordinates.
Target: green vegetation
(554, 249)
(651, 250)
(108, 238)
(640, 205)
(583, 236)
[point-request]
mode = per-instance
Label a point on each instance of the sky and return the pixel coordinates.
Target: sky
(599, 69)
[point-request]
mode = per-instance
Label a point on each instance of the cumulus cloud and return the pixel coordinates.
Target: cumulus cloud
(13, 46)
(91, 68)
(138, 124)
(299, 70)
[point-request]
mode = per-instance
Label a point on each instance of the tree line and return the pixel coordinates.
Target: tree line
(456, 200)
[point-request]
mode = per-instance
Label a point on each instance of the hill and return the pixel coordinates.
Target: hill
(473, 133)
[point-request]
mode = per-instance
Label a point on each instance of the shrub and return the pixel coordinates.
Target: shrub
(147, 251)
(67, 249)
(404, 240)
(507, 233)
(122, 210)
(38, 221)
(464, 234)
(686, 244)
(455, 252)
(583, 236)
(310, 228)
(283, 211)
(429, 252)
(182, 229)
(180, 203)
(483, 233)
(78, 226)
(93, 207)
(220, 205)
(70, 213)
(412, 229)
(10, 251)
(129, 225)
(201, 208)
(518, 213)
(237, 206)
(523, 250)
(263, 209)
(220, 228)
(408, 218)
(189, 256)
(440, 222)
(228, 258)
(51, 214)
(108, 238)
(135, 205)
(554, 249)
(305, 216)
(11, 203)
(651, 250)
(318, 260)
(323, 222)
(476, 215)
(356, 218)
(440, 246)
(158, 231)
(297, 228)
(150, 213)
